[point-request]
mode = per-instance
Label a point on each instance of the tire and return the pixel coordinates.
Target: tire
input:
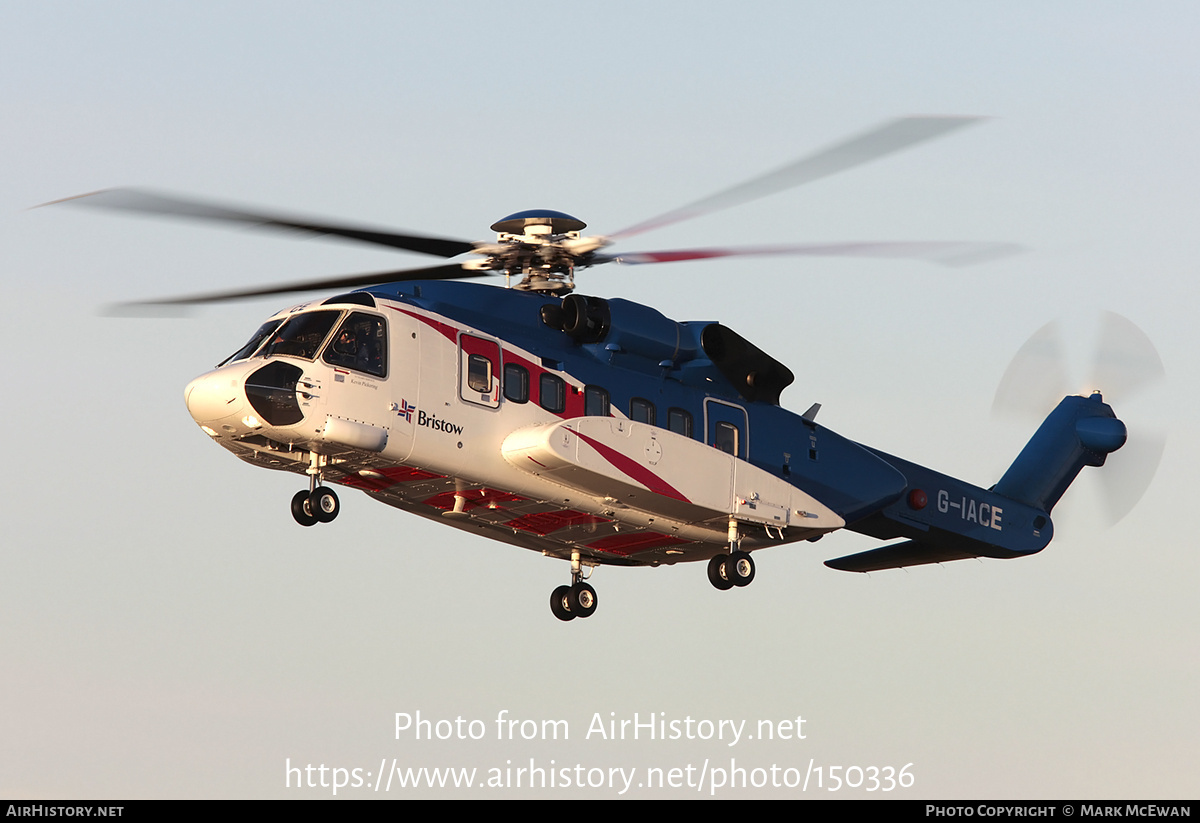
(740, 568)
(301, 511)
(560, 600)
(583, 600)
(716, 573)
(324, 504)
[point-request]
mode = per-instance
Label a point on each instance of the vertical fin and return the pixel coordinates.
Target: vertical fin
(1081, 431)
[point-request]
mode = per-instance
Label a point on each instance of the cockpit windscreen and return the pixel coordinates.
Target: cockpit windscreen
(302, 335)
(256, 340)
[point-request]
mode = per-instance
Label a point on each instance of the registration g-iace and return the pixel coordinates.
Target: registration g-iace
(597, 431)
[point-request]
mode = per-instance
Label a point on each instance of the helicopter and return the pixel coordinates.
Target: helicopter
(597, 430)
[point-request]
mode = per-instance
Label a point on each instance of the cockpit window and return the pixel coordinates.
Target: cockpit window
(247, 350)
(302, 335)
(360, 344)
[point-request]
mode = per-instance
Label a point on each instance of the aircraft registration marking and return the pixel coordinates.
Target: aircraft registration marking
(985, 514)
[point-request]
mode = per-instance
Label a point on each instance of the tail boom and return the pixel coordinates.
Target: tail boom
(944, 519)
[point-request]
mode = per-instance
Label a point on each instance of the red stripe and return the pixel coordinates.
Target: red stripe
(449, 331)
(633, 470)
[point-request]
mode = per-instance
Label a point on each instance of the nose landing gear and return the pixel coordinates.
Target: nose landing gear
(302, 511)
(324, 504)
(319, 504)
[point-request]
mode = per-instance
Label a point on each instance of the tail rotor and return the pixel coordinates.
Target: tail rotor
(1124, 366)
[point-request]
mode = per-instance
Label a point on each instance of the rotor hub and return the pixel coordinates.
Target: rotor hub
(543, 247)
(522, 221)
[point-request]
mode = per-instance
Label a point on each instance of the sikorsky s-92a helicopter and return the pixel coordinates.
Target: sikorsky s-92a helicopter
(594, 430)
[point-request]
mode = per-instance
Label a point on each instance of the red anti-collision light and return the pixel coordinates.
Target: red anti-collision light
(917, 499)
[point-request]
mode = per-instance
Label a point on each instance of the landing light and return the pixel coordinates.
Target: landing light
(251, 422)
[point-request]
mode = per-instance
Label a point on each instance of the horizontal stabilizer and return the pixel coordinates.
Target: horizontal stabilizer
(896, 556)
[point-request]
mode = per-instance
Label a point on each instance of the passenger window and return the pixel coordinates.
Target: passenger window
(726, 437)
(641, 411)
(595, 401)
(679, 422)
(360, 344)
(552, 393)
(516, 383)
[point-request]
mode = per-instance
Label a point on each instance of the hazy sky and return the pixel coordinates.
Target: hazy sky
(169, 631)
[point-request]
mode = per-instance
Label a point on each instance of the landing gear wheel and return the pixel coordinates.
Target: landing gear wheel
(740, 568)
(324, 504)
(301, 510)
(560, 603)
(583, 599)
(718, 574)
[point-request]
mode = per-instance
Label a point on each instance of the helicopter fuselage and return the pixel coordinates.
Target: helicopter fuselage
(597, 431)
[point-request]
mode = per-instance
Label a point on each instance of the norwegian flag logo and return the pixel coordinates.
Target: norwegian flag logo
(406, 411)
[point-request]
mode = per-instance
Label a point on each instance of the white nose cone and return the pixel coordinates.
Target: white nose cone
(214, 397)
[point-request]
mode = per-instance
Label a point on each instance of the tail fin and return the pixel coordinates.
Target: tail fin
(1081, 431)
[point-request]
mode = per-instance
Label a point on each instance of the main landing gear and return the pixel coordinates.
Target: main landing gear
(319, 504)
(576, 600)
(734, 569)
(728, 570)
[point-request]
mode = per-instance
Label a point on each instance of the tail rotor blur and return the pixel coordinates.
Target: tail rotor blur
(1124, 366)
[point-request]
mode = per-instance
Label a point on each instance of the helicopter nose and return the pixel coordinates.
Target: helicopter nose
(214, 397)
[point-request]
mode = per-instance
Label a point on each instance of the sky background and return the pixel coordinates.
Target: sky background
(167, 630)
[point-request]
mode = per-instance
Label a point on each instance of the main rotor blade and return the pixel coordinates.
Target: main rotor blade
(148, 203)
(947, 253)
(889, 138)
(452, 271)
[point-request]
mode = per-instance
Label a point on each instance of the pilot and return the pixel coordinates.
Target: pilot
(346, 345)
